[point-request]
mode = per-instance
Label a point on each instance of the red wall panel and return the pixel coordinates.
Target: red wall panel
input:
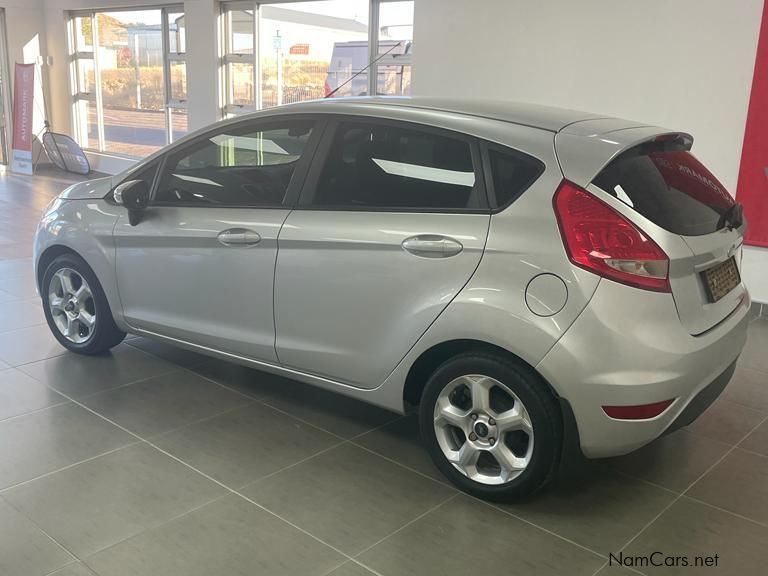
(752, 189)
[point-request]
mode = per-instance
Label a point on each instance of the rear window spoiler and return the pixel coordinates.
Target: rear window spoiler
(585, 148)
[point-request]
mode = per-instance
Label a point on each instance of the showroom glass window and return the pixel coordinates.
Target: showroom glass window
(278, 53)
(129, 79)
(239, 165)
(390, 166)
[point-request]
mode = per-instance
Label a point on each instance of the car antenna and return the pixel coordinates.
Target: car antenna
(371, 63)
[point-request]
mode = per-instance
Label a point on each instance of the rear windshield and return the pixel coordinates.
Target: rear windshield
(669, 186)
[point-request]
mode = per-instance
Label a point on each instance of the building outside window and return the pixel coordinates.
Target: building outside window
(278, 53)
(129, 79)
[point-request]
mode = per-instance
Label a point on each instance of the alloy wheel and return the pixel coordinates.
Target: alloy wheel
(71, 304)
(483, 429)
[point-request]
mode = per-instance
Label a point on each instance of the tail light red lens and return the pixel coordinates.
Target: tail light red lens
(639, 412)
(599, 239)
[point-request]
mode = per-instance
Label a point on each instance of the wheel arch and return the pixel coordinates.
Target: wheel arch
(48, 256)
(430, 359)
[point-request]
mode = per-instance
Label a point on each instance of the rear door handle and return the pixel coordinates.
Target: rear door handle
(432, 246)
(239, 237)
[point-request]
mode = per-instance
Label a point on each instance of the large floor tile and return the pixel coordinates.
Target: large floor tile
(29, 345)
(76, 569)
(616, 570)
(78, 375)
(691, 529)
(6, 298)
(328, 410)
(16, 267)
(348, 497)
(108, 499)
(229, 537)
(248, 381)
(351, 569)
(674, 461)
(757, 441)
(465, 536)
(20, 394)
(22, 314)
(739, 483)
(401, 441)
(602, 510)
(748, 388)
(753, 356)
(24, 549)
(245, 444)
(164, 402)
(168, 352)
(20, 286)
(727, 421)
(49, 439)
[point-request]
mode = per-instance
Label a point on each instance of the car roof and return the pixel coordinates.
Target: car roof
(532, 115)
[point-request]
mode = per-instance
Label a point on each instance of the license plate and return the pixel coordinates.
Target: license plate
(721, 279)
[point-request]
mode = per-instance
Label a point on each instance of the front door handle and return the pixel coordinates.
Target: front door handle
(239, 237)
(432, 246)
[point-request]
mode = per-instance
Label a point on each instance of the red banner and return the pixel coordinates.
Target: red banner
(23, 111)
(752, 189)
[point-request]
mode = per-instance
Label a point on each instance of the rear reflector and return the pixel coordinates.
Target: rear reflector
(601, 240)
(639, 412)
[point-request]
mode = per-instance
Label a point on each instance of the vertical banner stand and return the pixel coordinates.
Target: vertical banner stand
(23, 111)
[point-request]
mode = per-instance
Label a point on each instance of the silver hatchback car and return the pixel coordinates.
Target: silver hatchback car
(526, 278)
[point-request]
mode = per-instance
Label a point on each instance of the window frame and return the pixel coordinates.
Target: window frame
(486, 148)
(227, 108)
(323, 151)
(297, 178)
(76, 56)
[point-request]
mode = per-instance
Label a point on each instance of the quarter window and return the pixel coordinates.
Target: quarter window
(512, 173)
(393, 167)
(236, 166)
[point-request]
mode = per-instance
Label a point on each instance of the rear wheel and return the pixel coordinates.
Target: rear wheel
(491, 426)
(76, 308)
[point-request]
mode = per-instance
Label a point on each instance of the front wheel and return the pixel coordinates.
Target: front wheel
(491, 426)
(76, 308)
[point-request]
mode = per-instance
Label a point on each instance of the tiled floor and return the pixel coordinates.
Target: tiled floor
(154, 461)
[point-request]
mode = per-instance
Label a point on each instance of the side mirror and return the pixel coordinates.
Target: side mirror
(134, 195)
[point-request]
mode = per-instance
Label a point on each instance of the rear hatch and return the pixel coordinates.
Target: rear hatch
(677, 202)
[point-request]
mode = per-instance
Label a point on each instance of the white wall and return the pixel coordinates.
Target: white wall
(682, 64)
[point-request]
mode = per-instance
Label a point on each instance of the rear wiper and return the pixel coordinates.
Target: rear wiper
(732, 218)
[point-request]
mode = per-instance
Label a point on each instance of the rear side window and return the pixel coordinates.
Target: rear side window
(669, 186)
(511, 173)
(372, 166)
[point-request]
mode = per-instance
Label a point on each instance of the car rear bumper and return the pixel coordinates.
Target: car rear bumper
(628, 347)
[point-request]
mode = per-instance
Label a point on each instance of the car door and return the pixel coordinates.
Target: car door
(199, 266)
(389, 227)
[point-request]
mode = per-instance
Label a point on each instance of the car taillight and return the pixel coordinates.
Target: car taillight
(599, 239)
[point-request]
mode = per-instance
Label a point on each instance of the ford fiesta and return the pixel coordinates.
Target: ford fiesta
(524, 277)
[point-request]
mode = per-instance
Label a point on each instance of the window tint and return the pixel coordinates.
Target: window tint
(391, 167)
(512, 173)
(238, 166)
(669, 186)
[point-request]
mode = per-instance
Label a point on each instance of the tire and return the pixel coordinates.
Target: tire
(520, 409)
(74, 302)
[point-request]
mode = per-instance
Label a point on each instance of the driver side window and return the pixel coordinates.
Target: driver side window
(239, 165)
